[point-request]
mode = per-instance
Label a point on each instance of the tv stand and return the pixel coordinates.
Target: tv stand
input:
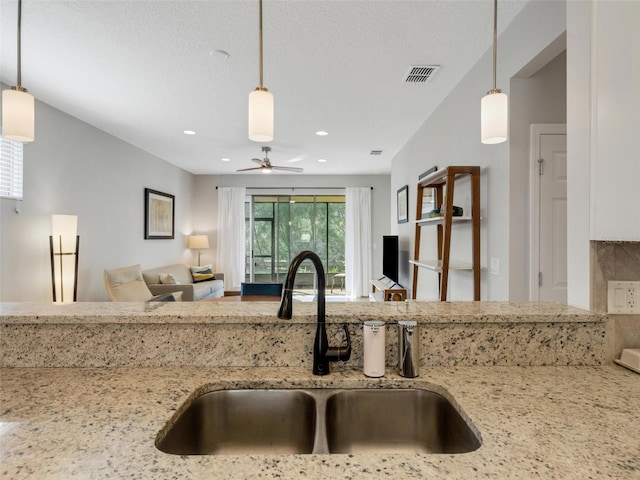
(384, 289)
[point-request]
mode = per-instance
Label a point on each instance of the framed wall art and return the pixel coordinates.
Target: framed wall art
(403, 204)
(159, 215)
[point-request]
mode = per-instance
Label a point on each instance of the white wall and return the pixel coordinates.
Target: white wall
(206, 202)
(451, 136)
(540, 98)
(74, 168)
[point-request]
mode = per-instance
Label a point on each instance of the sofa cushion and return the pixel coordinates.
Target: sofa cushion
(168, 279)
(180, 271)
(201, 290)
(201, 274)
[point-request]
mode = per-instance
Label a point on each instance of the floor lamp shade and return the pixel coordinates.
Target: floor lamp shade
(18, 109)
(64, 244)
(261, 115)
(494, 117)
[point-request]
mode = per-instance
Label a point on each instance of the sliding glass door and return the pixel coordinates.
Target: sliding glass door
(281, 226)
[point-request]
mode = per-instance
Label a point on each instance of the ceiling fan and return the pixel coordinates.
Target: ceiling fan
(267, 167)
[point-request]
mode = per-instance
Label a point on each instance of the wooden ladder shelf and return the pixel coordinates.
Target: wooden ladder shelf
(444, 181)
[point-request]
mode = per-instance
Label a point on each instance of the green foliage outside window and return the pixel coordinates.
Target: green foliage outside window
(284, 226)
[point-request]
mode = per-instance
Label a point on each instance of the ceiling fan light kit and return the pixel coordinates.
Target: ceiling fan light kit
(18, 105)
(494, 106)
(266, 167)
(261, 110)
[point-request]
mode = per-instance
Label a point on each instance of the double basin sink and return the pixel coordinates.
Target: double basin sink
(320, 421)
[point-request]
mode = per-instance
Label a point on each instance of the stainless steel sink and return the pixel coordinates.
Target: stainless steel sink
(237, 422)
(396, 421)
(243, 422)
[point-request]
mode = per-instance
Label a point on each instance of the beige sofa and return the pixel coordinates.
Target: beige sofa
(191, 292)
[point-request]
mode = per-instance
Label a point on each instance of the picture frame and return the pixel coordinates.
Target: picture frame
(428, 201)
(403, 204)
(159, 215)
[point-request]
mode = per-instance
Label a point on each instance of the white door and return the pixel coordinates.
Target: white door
(549, 263)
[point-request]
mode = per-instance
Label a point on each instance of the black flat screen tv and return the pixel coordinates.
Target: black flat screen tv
(390, 255)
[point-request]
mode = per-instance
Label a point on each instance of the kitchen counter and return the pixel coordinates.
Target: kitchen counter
(303, 312)
(224, 334)
(535, 422)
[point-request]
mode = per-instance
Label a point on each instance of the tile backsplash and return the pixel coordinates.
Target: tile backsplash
(615, 261)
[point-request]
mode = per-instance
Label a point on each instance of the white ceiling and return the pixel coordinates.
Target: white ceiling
(146, 70)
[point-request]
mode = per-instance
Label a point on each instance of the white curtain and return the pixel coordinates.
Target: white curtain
(357, 241)
(230, 248)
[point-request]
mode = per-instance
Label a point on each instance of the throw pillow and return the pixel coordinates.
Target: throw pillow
(200, 274)
(168, 279)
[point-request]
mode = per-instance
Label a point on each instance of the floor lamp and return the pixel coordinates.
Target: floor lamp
(64, 243)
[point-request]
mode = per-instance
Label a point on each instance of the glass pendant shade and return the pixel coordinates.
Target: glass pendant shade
(18, 109)
(494, 117)
(261, 115)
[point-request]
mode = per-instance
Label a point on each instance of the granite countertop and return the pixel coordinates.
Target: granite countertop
(304, 312)
(535, 422)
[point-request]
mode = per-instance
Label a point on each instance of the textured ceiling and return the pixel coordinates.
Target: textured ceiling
(145, 70)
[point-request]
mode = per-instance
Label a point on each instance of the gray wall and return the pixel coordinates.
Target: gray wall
(206, 202)
(541, 98)
(451, 136)
(74, 168)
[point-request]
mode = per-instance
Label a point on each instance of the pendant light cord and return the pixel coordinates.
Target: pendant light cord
(495, 40)
(261, 45)
(19, 85)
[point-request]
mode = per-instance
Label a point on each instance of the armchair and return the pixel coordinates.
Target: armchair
(127, 285)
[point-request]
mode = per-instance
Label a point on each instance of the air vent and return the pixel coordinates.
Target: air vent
(375, 152)
(421, 73)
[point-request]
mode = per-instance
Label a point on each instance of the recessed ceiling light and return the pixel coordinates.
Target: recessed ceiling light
(322, 160)
(322, 133)
(189, 132)
(225, 159)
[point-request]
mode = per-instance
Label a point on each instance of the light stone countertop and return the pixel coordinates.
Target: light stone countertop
(303, 312)
(535, 422)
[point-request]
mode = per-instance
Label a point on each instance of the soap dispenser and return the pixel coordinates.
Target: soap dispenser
(374, 348)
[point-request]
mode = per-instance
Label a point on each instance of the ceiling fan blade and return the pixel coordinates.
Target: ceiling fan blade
(247, 169)
(288, 169)
(257, 160)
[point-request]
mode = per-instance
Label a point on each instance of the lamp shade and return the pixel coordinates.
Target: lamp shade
(198, 241)
(18, 109)
(65, 226)
(261, 115)
(64, 257)
(494, 117)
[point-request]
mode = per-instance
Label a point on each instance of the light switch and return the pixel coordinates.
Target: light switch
(495, 266)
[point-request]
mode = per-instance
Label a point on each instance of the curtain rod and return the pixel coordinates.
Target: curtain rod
(296, 188)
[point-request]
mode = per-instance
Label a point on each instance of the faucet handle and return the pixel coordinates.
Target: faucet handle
(342, 353)
(347, 337)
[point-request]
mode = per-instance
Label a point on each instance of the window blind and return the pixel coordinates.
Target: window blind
(10, 169)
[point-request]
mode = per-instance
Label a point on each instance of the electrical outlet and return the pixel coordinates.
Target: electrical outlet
(623, 297)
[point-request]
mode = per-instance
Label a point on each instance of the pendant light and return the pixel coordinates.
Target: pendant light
(17, 104)
(261, 106)
(494, 107)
